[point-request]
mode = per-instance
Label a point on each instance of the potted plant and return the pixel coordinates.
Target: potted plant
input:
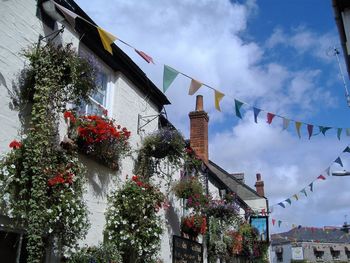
(222, 209)
(99, 137)
(194, 225)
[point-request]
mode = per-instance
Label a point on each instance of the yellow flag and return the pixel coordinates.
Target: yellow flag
(195, 85)
(107, 39)
(218, 98)
(296, 197)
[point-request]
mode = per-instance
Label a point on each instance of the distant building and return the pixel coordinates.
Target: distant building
(311, 244)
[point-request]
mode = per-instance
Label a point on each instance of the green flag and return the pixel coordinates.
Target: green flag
(168, 77)
(238, 105)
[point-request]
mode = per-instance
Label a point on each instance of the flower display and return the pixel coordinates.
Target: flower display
(222, 209)
(194, 225)
(15, 144)
(133, 224)
(188, 186)
(192, 161)
(99, 137)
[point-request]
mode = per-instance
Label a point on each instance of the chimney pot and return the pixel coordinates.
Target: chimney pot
(259, 185)
(199, 103)
(258, 177)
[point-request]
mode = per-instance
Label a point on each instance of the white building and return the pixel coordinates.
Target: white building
(126, 93)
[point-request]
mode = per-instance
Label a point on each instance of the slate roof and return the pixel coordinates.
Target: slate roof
(312, 234)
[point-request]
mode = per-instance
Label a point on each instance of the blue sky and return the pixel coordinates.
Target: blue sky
(272, 54)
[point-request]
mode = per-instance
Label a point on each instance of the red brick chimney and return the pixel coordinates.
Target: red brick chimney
(259, 185)
(199, 130)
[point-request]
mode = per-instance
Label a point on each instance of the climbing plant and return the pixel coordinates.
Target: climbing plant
(42, 183)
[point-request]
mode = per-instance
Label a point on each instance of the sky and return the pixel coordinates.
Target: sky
(274, 55)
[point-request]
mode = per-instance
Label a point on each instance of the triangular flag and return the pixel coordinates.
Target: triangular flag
(256, 113)
(285, 123)
(296, 197)
(321, 177)
(279, 223)
(195, 85)
(310, 129)
(304, 192)
(169, 76)
(107, 39)
(146, 57)
(288, 201)
(282, 205)
(347, 149)
(311, 187)
(238, 105)
(297, 126)
(273, 221)
(270, 117)
(218, 98)
(339, 133)
(338, 161)
(328, 171)
(347, 131)
(68, 15)
(324, 129)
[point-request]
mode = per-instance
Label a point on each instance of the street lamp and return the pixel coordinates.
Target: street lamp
(341, 173)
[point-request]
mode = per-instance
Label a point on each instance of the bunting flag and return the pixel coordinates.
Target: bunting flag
(273, 221)
(238, 105)
(282, 205)
(285, 123)
(347, 150)
(328, 171)
(297, 126)
(107, 39)
(311, 186)
(324, 129)
(338, 161)
(169, 76)
(270, 117)
(218, 98)
(68, 15)
(194, 87)
(296, 197)
(310, 129)
(256, 113)
(288, 201)
(304, 192)
(146, 57)
(321, 177)
(279, 223)
(339, 133)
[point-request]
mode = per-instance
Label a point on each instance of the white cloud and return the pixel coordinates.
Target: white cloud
(202, 39)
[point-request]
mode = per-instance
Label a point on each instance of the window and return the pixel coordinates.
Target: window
(318, 254)
(335, 253)
(97, 103)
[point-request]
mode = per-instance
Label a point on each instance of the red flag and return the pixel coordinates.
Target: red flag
(273, 221)
(146, 57)
(270, 116)
(321, 177)
(263, 211)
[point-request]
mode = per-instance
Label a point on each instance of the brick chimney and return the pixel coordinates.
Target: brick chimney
(259, 185)
(199, 130)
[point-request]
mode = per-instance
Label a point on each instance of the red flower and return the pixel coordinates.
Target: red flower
(135, 178)
(15, 144)
(70, 115)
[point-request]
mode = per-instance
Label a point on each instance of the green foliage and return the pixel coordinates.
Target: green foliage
(100, 254)
(133, 225)
(188, 186)
(55, 76)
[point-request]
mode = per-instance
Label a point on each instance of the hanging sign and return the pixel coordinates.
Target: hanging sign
(186, 251)
(261, 223)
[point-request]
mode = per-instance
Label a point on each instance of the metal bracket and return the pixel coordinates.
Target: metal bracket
(142, 121)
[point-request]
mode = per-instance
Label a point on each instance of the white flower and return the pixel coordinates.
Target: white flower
(49, 211)
(50, 230)
(13, 166)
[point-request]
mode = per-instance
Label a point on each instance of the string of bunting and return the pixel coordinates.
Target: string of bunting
(170, 74)
(310, 187)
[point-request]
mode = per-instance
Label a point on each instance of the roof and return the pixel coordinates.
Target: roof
(119, 61)
(312, 234)
(241, 189)
(338, 7)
